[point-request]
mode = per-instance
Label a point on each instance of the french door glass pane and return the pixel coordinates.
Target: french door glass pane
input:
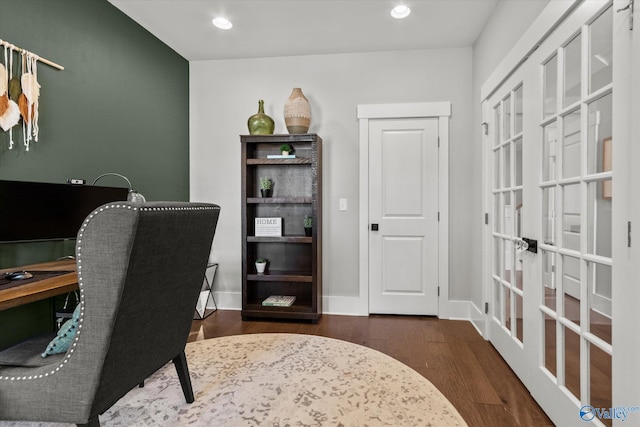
(497, 288)
(571, 288)
(518, 208)
(548, 215)
(600, 280)
(549, 152)
(572, 68)
(548, 279)
(600, 129)
(601, 57)
(497, 165)
(571, 145)
(572, 361)
(518, 109)
(506, 319)
(519, 271)
(600, 313)
(508, 215)
(600, 380)
(519, 319)
(550, 344)
(550, 94)
(600, 325)
(506, 133)
(598, 220)
(497, 258)
(571, 217)
(497, 222)
(508, 260)
(507, 166)
(517, 157)
(498, 123)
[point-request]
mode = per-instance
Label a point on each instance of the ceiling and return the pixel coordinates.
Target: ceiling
(267, 28)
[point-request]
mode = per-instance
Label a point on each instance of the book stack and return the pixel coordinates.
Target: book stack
(279, 301)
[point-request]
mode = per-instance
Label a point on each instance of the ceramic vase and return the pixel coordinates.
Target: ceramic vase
(297, 112)
(260, 123)
(260, 267)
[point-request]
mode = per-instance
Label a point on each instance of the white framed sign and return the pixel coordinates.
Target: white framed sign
(268, 227)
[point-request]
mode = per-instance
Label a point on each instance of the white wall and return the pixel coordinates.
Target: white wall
(224, 93)
(508, 22)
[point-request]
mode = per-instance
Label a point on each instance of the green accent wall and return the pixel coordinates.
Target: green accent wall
(120, 105)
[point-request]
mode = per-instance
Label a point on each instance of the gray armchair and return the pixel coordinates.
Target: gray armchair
(140, 270)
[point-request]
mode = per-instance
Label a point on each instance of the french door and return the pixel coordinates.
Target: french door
(549, 149)
(510, 215)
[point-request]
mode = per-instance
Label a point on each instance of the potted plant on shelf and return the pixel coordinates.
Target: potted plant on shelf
(286, 149)
(308, 225)
(261, 264)
(265, 186)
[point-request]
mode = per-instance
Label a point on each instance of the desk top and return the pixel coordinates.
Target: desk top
(41, 289)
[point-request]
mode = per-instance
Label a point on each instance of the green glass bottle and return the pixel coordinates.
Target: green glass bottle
(260, 123)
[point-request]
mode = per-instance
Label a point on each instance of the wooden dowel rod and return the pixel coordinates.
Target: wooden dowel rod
(39, 58)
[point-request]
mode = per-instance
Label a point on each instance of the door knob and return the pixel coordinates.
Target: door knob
(374, 227)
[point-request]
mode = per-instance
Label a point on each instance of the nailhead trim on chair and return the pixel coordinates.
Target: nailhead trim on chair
(79, 271)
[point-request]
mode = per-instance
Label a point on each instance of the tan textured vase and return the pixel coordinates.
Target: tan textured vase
(297, 112)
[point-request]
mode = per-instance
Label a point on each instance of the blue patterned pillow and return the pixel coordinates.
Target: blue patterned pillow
(62, 341)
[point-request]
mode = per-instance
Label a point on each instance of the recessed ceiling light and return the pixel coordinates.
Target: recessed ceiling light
(401, 11)
(222, 23)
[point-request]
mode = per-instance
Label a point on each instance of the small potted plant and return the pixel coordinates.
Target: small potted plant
(265, 186)
(261, 264)
(308, 225)
(286, 149)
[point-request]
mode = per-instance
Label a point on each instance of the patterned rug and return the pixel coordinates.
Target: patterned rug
(286, 380)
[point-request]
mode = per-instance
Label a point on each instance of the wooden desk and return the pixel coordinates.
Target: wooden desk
(41, 289)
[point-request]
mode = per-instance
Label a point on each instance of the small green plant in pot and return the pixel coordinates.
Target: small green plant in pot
(265, 186)
(261, 264)
(286, 149)
(308, 225)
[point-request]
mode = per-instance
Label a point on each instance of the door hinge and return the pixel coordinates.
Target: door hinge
(628, 234)
(438, 142)
(486, 308)
(485, 128)
(438, 290)
(486, 218)
(438, 216)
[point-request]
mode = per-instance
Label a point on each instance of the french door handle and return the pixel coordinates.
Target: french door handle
(374, 227)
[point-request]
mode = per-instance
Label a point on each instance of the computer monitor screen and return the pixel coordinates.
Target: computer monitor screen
(31, 211)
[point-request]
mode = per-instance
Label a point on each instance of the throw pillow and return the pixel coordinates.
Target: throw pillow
(63, 339)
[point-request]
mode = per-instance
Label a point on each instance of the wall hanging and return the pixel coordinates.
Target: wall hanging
(20, 92)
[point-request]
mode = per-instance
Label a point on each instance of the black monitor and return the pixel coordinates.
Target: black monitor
(36, 211)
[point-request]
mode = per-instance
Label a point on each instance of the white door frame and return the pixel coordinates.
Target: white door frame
(442, 111)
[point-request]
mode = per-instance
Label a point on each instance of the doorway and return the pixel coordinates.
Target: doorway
(404, 208)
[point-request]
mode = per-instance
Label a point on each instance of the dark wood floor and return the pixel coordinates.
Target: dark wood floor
(449, 353)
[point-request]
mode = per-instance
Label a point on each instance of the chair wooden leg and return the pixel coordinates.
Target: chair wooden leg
(180, 362)
(93, 422)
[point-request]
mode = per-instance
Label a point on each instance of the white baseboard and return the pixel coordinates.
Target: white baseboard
(349, 306)
(345, 306)
(228, 300)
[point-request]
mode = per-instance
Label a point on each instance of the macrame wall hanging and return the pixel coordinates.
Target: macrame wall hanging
(20, 92)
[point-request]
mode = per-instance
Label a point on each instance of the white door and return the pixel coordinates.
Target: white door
(403, 215)
(553, 175)
(510, 218)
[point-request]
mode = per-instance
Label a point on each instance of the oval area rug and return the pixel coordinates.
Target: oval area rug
(285, 380)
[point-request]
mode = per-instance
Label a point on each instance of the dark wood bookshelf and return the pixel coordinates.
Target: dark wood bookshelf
(295, 260)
